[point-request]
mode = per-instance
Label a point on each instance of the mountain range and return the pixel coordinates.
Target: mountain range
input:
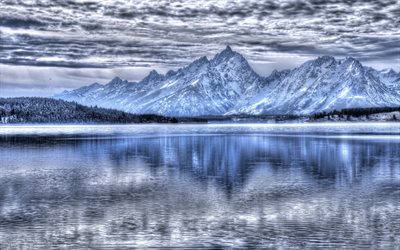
(227, 85)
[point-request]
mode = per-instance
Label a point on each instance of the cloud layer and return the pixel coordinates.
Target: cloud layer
(169, 34)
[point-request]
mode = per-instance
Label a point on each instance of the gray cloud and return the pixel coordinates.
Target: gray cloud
(169, 34)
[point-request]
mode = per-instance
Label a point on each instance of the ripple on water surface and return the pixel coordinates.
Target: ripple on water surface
(200, 186)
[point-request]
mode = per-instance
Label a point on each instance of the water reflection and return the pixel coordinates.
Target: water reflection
(199, 191)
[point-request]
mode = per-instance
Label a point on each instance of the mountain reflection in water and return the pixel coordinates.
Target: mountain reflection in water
(198, 190)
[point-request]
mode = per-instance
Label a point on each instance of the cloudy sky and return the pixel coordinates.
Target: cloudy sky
(51, 45)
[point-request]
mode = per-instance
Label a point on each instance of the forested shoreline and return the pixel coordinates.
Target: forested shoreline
(357, 112)
(47, 110)
(39, 110)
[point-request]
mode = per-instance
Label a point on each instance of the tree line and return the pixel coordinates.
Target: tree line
(356, 112)
(47, 110)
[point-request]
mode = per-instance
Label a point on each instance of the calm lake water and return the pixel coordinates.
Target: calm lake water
(280, 186)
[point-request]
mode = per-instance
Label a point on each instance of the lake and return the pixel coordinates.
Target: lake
(208, 185)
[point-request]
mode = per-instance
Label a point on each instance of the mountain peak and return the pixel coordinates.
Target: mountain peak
(152, 76)
(201, 60)
(352, 60)
(320, 62)
(195, 65)
(116, 80)
(352, 63)
(325, 60)
(154, 73)
(276, 73)
(95, 85)
(226, 53)
(170, 73)
(228, 48)
(388, 71)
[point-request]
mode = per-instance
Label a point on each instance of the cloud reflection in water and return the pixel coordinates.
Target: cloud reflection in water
(199, 190)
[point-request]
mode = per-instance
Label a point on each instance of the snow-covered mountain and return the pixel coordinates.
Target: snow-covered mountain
(227, 84)
(325, 84)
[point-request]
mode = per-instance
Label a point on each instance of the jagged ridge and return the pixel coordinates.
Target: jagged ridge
(227, 84)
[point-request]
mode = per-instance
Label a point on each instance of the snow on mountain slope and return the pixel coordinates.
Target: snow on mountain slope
(389, 77)
(97, 94)
(321, 85)
(257, 95)
(227, 84)
(205, 87)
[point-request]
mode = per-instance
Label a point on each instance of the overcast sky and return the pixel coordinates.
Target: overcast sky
(51, 45)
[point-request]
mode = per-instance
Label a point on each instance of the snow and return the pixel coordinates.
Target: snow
(344, 92)
(264, 100)
(169, 84)
(230, 86)
(195, 82)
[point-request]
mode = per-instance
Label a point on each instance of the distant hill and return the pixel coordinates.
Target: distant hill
(47, 110)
